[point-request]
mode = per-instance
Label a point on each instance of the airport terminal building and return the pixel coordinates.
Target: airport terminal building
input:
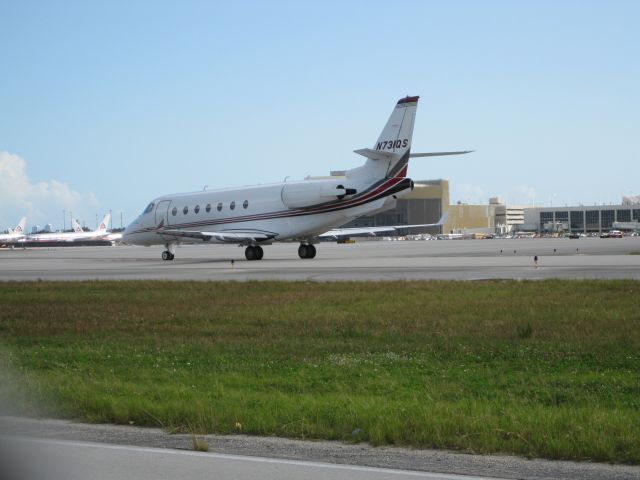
(582, 219)
(429, 200)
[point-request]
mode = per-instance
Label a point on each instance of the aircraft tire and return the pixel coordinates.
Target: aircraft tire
(250, 253)
(306, 251)
(259, 252)
(167, 255)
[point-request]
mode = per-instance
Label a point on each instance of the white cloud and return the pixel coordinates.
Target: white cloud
(41, 202)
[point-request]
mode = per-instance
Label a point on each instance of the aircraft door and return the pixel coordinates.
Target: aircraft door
(162, 211)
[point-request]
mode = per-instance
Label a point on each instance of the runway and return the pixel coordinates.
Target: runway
(584, 258)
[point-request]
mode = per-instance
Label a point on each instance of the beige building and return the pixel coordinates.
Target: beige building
(466, 218)
(428, 201)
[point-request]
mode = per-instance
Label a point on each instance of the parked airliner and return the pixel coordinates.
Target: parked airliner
(77, 235)
(302, 211)
(15, 234)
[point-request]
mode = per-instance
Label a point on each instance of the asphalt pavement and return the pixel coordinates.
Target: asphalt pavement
(364, 260)
(58, 449)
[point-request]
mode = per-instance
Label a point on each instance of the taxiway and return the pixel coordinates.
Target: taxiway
(585, 258)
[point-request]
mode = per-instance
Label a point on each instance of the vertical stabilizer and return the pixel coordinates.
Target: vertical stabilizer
(22, 224)
(76, 226)
(104, 223)
(389, 157)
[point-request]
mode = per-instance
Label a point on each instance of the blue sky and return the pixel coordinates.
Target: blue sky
(105, 105)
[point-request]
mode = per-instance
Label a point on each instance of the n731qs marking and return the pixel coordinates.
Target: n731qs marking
(390, 144)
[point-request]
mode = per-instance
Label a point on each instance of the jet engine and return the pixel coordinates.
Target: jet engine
(310, 193)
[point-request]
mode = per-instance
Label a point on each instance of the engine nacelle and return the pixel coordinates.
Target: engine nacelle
(310, 193)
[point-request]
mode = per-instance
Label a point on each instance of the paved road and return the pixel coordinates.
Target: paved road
(364, 260)
(83, 460)
(54, 449)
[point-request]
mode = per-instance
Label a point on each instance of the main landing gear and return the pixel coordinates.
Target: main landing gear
(169, 253)
(306, 250)
(254, 252)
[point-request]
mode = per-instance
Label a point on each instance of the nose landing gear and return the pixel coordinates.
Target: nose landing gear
(306, 250)
(169, 253)
(254, 252)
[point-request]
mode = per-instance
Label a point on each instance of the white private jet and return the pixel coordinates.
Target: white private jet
(302, 211)
(14, 235)
(77, 235)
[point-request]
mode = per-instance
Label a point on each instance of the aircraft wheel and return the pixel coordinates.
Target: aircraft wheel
(250, 253)
(306, 251)
(166, 255)
(259, 252)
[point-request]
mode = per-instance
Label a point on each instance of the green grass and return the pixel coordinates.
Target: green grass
(541, 369)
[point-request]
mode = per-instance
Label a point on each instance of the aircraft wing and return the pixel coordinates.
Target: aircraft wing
(356, 231)
(371, 231)
(228, 237)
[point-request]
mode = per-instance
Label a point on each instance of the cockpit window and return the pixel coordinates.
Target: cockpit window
(149, 208)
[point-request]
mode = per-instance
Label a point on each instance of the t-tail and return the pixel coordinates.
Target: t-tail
(104, 223)
(389, 157)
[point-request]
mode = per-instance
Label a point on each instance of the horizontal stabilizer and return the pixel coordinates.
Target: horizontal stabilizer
(438, 154)
(376, 154)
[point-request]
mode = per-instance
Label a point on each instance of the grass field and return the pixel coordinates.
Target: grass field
(541, 369)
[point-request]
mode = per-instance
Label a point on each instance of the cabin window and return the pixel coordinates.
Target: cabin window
(245, 204)
(185, 210)
(149, 208)
(232, 205)
(220, 206)
(197, 209)
(208, 207)
(174, 211)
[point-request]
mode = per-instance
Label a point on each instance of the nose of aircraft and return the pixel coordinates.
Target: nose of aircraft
(127, 233)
